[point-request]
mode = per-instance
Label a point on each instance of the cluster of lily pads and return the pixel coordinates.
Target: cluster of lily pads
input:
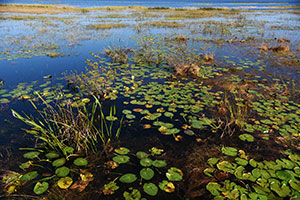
(51, 166)
(241, 177)
(151, 169)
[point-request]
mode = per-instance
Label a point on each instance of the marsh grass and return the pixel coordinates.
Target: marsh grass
(163, 24)
(105, 26)
(62, 127)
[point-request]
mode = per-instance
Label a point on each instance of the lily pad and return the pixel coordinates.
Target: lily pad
(229, 151)
(126, 112)
(141, 155)
(122, 150)
(169, 114)
(52, 155)
(62, 171)
(150, 188)
(197, 124)
(128, 178)
(31, 155)
(134, 195)
(59, 162)
(174, 174)
(159, 163)
(80, 162)
(246, 137)
(111, 118)
(166, 186)
(40, 188)
(146, 162)
(130, 116)
(213, 188)
(147, 173)
(65, 182)
(121, 159)
(29, 176)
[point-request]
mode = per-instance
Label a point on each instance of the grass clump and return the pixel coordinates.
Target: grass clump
(163, 24)
(105, 26)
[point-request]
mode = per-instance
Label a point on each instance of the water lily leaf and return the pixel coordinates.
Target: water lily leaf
(146, 162)
(213, 161)
(189, 132)
(241, 161)
(214, 188)
(141, 155)
(31, 155)
(122, 150)
(147, 173)
(126, 112)
(134, 195)
(59, 162)
(159, 163)
(62, 171)
(169, 114)
(110, 188)
(229, 151)
(283, 175)
(156, 151)
(128, 178)
(209, 171)
(166, 186)
(65, 182)
(40, 188)
(226, 166)
(246, 137)
(295, 185)
(130, 116)
(282, 191)
(150, 188)
(52, 155)
(174, 174)
(121, 159)
(29, 176)
(111, 118)
(197, 124)
(25, 165)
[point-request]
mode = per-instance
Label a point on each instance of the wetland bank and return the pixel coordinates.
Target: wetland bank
(140, 102)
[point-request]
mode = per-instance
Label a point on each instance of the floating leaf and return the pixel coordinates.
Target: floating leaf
(147, 173)
(65, 182)
(122, 150)
(197, 124)
(213, 161)
(52, 155)
(111, 118)
(62, 171)
(40, 188)
(59, 162)
(134, 195)
(130, 116)
(128, 178)
(246, 137)
(174, 174)
(146, 162)
(169, 114)
(159, 163)
(229, 151)
(166, 186)
(31, 155)
(214, 188)
(110, 188)
(150, 188)
(29, 176)
(25, 165)
(126, 112)
(121, 159)
(141, 155)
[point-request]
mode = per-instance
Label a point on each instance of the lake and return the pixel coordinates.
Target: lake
(149, 100)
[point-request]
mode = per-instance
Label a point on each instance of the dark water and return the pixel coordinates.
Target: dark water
(166, 3)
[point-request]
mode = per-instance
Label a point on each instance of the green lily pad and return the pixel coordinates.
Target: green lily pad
(282, 191)
(159, 163)
(126, 112)
(29, 176)
(147, 173)
(197, 124)
(52, 155)
(229, 151)
(283, 175)
(213, 161)
(169, 114)
(226, 166)
(134, 195)
(146, 162)
(174, 174)
(59, 162)
(166, 186)
(121, 159)
(80, 162)
(241, 161)
(25, 165)
(122, 150)
(214, 188)
(111, 118)
(130, 116)
(141, 155)
(40, 188)
(62, 171)
(31, 155)
(150, 188)
(128, 178)
(209, 171)
(246, 137)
